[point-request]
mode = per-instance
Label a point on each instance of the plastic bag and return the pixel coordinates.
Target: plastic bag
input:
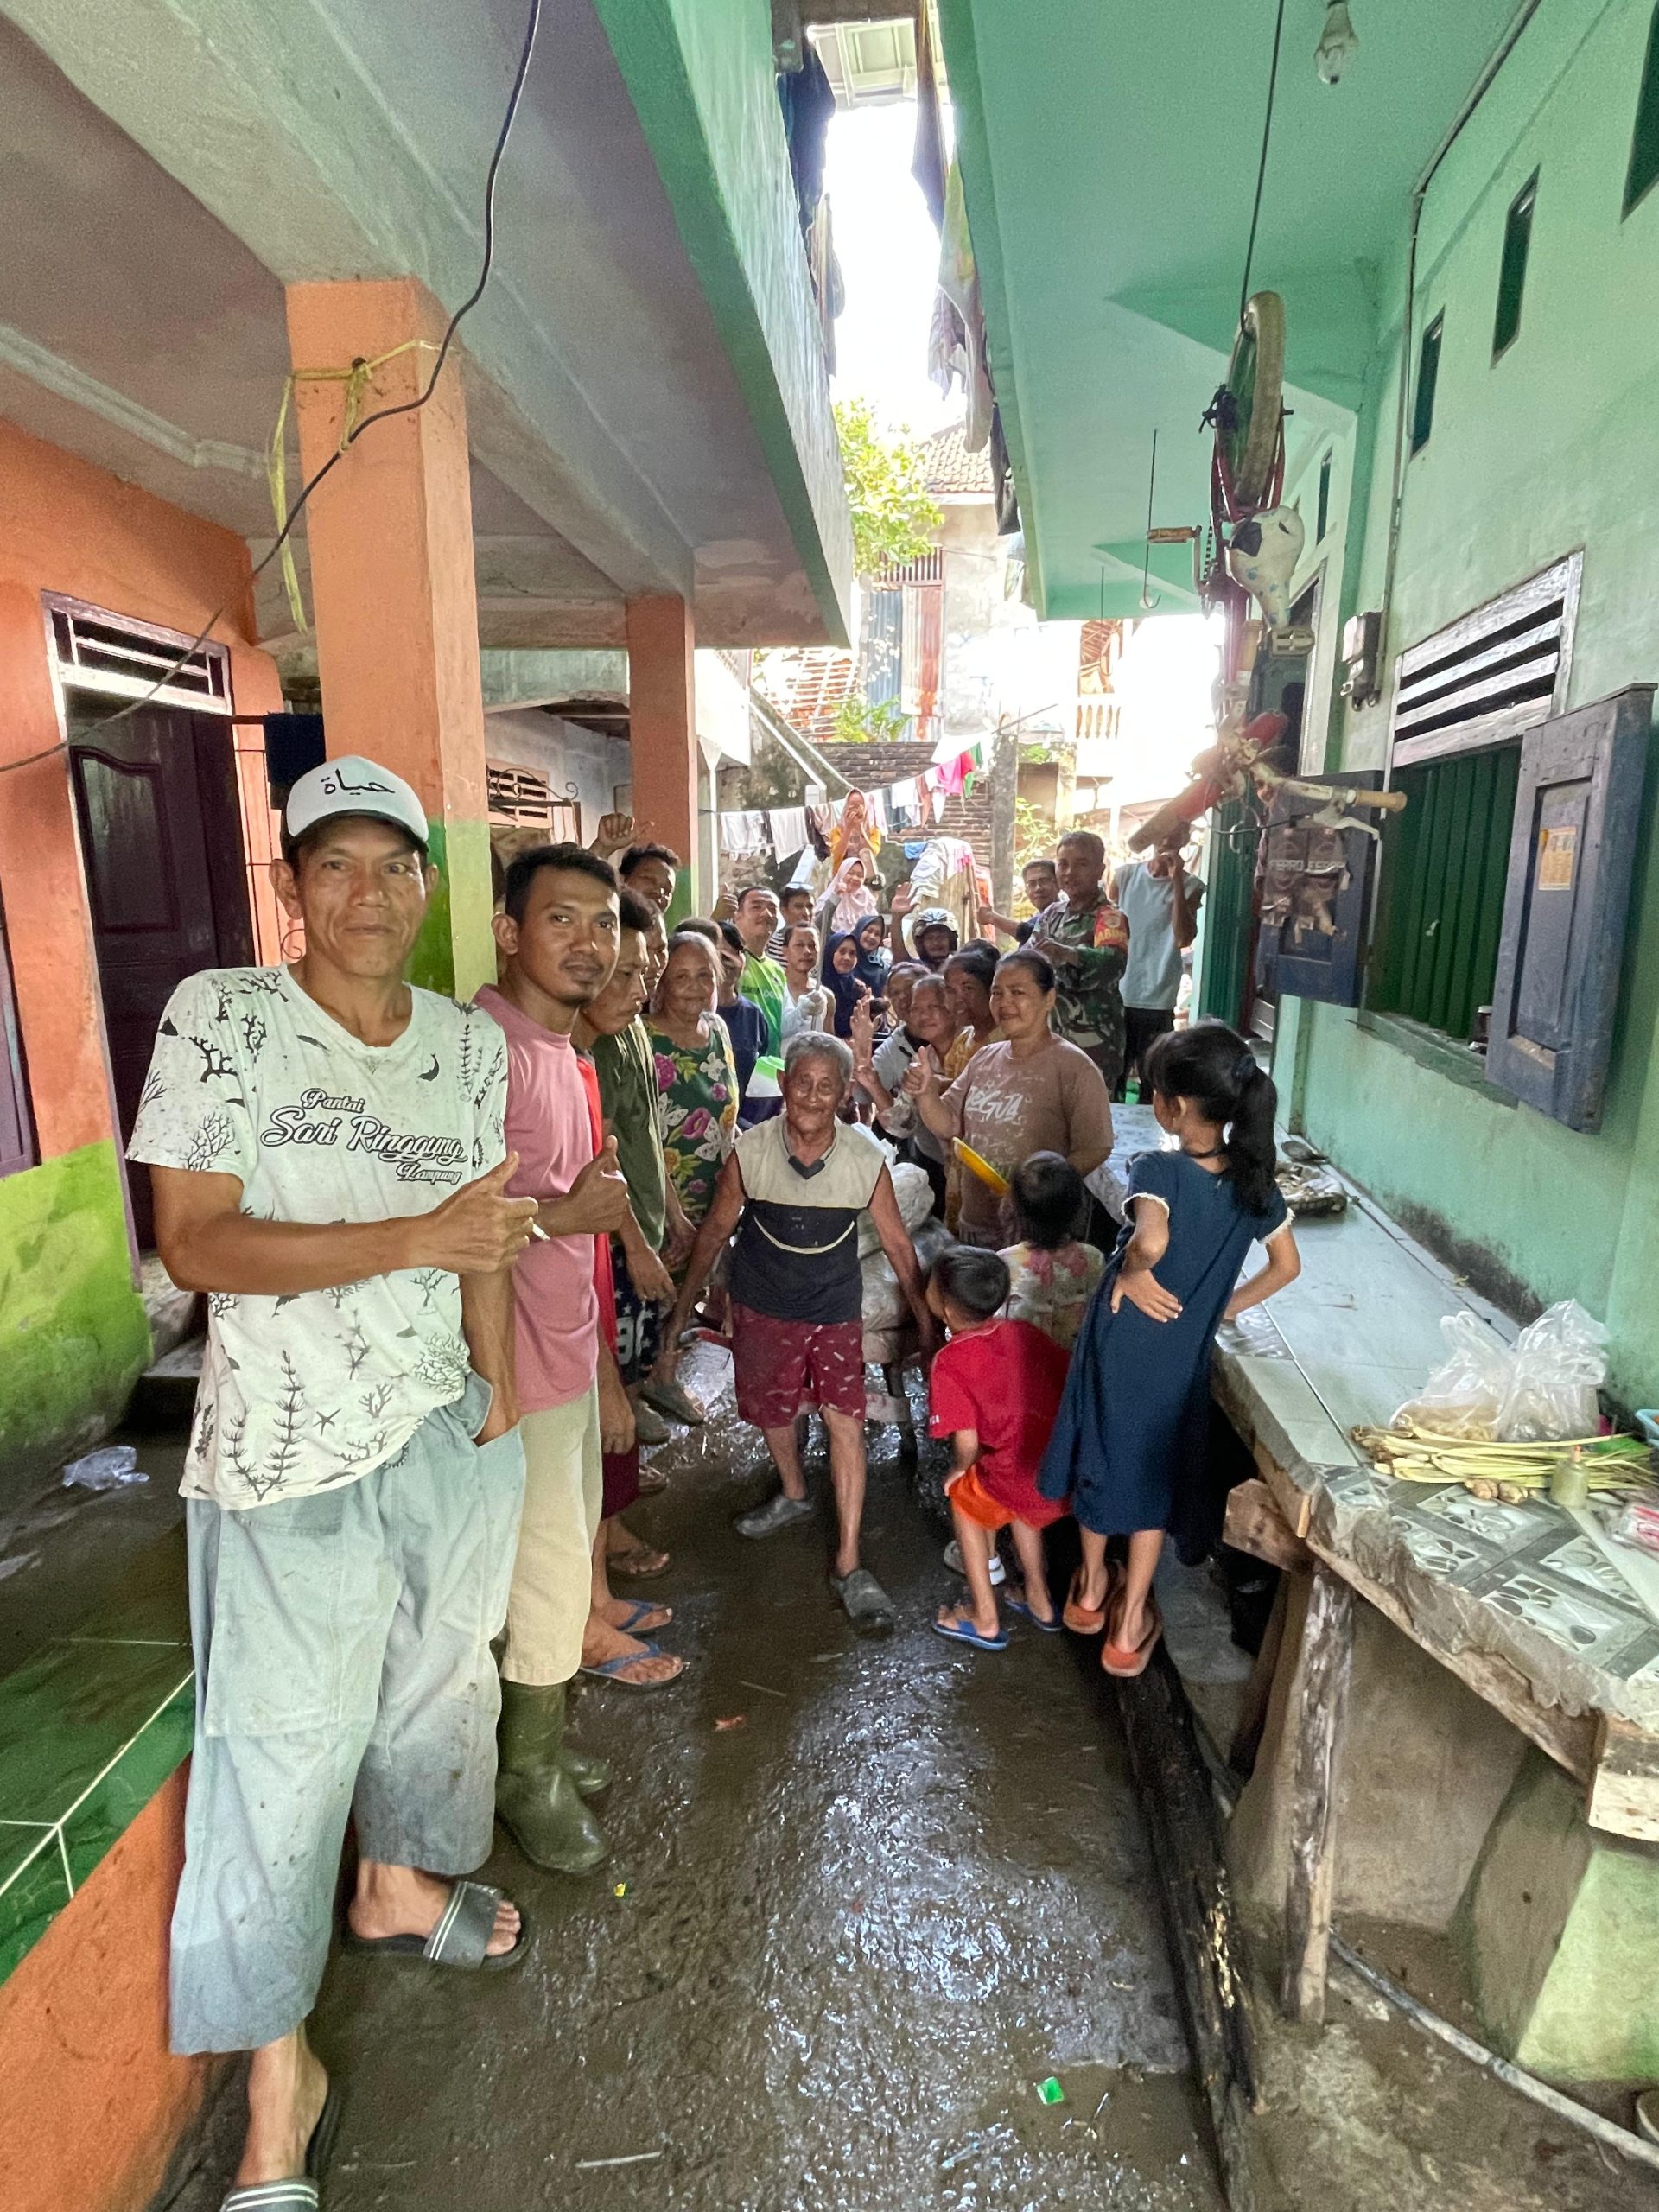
(1557, 1367)
(1462, 1396)
(111, 1467)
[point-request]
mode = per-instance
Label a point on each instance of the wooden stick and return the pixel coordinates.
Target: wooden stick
(1323, 1670)
(1205, 1942)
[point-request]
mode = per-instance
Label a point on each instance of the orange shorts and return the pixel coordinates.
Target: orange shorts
(969, 1496)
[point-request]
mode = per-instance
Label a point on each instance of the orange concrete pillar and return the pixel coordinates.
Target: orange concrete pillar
(393, 594)
(662, 728)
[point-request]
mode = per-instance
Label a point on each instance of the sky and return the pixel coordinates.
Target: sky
(889, 254)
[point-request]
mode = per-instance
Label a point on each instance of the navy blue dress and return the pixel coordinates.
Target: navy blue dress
(1128, 1448)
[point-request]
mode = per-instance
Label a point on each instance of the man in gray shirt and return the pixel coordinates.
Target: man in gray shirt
(1160, 901)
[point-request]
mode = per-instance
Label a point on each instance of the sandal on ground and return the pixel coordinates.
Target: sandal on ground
(652, 1479)
(1126, 1664)
(461, 1937)
(953, 1560)
(616, 1670)
(638, 1563)
(1085, 1620)
(961, 1631)
(639, 1621)
(299, 2193)
(863, 1601)
(671, 1398)
(1021, 1605)
(779, 1511)
(648, 1426)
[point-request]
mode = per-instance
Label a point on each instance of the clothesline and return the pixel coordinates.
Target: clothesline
(898, 806)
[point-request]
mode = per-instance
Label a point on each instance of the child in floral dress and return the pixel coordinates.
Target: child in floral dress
(1053, 1276)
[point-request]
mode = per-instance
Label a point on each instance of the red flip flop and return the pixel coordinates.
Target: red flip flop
(1086, 1620)
(1125, 1664)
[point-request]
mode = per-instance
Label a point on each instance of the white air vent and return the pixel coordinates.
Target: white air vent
(131, 660)
(1485, 679)
(521, 796)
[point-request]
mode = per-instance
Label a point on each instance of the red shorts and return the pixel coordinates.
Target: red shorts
(781, 1367)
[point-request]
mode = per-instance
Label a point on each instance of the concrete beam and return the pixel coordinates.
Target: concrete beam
(287, 140)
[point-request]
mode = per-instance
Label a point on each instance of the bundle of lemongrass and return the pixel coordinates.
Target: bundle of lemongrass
(1509, 1472)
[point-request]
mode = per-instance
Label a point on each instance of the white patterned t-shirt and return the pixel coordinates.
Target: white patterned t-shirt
(251, 1078)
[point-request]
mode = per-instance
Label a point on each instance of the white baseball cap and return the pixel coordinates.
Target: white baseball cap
(354, 786)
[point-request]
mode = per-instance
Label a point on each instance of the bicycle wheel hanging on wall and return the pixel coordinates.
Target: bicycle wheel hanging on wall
(1250, 430)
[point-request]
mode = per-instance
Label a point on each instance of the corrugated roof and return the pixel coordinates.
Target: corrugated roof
(950, 468)
(806, 684)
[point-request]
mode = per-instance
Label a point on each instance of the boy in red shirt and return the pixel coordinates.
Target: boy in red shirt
(994, 1390)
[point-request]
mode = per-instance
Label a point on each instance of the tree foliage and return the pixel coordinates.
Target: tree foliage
(858, 722)
(892, 516)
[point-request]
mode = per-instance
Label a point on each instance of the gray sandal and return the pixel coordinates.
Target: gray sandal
(865, 1604)
(461, 1937)
(299, 2192)
(779, 1511)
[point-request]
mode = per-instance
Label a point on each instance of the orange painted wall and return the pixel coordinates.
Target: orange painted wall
(65, 526)
(91, 2100)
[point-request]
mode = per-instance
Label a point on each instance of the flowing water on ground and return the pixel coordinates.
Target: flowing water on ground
(856, 1931)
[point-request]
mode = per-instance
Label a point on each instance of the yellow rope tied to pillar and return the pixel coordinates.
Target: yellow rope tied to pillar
(356, 380)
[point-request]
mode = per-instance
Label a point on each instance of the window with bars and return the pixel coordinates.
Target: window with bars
(17, 1149)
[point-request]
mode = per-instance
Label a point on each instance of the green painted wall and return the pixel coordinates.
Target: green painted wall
(455, 950)
(700, 75)
(74, 1338)
(1547, 450)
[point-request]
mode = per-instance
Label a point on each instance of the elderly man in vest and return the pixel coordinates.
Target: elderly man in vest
(793, 1190)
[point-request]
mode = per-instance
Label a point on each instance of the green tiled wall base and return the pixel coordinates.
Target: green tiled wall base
(90, 1730)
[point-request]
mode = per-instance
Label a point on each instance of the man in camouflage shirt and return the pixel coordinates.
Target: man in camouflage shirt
(1087, 938)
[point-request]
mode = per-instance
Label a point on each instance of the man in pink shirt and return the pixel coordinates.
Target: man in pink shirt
(558, 933)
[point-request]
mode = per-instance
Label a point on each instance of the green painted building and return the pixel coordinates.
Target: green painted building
(1467, 213)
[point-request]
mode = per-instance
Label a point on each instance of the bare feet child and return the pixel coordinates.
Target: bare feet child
(994, 1391)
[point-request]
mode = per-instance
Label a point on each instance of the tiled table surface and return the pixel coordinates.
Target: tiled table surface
(1344, 1347)
(90, 1729)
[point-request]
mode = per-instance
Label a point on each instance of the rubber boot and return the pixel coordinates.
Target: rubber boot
(590, 1773)
(536, 1798)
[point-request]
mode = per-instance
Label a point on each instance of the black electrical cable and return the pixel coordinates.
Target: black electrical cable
(1261, 169)
(384, 415)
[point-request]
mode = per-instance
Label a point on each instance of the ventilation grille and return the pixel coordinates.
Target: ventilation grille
(521, 796)
(1498, 671)
(129, 661)
(928, 568)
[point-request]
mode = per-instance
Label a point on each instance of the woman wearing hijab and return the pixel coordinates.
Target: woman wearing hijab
(846, 986)
(870, 938)
(849, 901)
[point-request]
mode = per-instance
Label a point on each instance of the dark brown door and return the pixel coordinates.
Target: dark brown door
(160, 827)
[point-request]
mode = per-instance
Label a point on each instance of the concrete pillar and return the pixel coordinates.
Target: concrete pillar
(393, 595)
(662, 724)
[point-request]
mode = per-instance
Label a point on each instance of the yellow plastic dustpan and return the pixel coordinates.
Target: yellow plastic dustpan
(975, 1166)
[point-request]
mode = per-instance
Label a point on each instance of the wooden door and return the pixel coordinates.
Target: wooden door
(161, 832)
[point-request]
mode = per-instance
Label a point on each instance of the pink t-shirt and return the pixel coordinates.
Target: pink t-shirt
(549, 1127)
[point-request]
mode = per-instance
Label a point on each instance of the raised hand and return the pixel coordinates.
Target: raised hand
(477, 1230)
(614, 833)
(903, 898)
(596, 1203)
(863, 1028)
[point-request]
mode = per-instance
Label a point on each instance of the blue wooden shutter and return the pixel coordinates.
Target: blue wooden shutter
(1565, 905)
(1316, 900)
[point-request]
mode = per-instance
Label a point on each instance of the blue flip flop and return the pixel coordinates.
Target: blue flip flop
(637, 1608)
(964, 1632)
(1054, 1627)
(615, 1670)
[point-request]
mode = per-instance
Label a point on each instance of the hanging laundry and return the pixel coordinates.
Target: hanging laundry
(788, 827)
(959, 281)
(741, 833)
(927, 156)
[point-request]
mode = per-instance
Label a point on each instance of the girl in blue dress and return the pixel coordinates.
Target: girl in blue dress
(1127, 1451)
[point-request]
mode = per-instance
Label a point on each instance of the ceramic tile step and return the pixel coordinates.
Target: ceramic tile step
(166, 1389)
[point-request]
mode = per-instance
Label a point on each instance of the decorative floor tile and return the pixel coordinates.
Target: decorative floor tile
(114, 1802)
(32, 1889)
(69, 1713)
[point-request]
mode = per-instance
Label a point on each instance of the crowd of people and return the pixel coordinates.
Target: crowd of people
(451, 1254)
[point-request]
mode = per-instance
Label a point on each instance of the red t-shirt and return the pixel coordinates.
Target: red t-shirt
(604, 1277)
(1003, 1380)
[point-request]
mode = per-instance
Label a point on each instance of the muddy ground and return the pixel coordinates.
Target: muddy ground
(839, 1944)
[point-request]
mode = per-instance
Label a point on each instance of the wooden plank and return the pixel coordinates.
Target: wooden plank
(1173, 1786)
(1258, 1691)
(1623, 1798)
(1324, 1667)
(1254, 1524)
(1568, 1738)
(1296, 1506)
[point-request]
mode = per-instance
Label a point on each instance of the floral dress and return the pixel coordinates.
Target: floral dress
(697, 1085)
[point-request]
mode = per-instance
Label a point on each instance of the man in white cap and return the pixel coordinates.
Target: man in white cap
(328, 1165)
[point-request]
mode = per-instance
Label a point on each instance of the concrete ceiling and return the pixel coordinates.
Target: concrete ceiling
(145, 244)
(1108, 151)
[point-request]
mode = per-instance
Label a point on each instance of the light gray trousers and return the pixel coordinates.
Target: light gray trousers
(343, 1646)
